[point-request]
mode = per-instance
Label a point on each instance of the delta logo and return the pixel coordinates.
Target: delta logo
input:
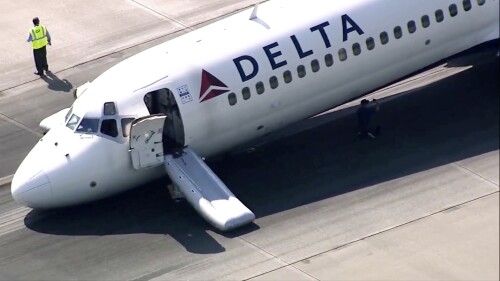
(211, 87)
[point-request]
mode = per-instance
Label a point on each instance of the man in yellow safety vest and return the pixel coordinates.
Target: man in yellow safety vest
(39, 37)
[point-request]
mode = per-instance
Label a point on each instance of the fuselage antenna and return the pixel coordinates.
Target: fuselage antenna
(254, 12)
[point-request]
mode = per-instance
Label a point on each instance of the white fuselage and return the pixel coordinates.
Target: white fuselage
(239, 79)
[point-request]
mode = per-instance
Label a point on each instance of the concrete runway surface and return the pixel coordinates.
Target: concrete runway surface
(419, 203)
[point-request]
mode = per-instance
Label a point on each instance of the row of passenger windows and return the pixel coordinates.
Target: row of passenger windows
(411, 27)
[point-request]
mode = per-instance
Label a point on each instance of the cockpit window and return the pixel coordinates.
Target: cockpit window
(108, 127)
(109, 108)
(73, 121)
(126, 123)
(68, 114)
(88, 125)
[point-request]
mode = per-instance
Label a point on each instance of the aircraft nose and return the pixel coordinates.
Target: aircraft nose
(31, 190)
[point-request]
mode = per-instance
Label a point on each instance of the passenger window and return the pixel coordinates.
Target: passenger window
(273, 82)
(467, 5)
(342, 54)
(315, 65)
(329, 60)
(370, 43)
(232, 98)
(260, 88)
(412, 27)
(126, 123)
(425, 21)
(481, 2)
(356, 49)
(301, 71)
(439, 15)
(108, 127)
(398, 33)
(245, 93)
(109, 108)
(287, 76)
(384, 38)
(453, 10)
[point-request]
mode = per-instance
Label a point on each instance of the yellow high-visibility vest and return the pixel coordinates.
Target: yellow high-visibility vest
(38, 36)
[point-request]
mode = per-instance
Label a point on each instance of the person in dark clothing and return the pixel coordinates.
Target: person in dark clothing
(365, 113)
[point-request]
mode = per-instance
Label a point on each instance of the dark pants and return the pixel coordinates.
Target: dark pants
(41, 59)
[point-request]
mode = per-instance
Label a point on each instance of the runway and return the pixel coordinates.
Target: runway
(420, 202)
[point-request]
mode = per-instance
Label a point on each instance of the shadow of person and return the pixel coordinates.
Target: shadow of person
(56, 84)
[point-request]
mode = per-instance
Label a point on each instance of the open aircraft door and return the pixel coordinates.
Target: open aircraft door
(146, 145)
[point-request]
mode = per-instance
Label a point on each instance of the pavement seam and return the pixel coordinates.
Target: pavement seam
(163, 15)
(277, 258)
(363, 238)
(19, 124)
(474, 173)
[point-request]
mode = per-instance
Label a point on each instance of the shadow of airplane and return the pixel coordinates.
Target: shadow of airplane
(147, 209)
(56, 84)
(450, 120)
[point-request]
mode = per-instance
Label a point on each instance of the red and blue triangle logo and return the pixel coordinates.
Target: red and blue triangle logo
(211, 86)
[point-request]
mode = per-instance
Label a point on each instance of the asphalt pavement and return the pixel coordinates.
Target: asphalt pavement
(418, 203)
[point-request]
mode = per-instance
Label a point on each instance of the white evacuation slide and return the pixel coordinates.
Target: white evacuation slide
(205, 191)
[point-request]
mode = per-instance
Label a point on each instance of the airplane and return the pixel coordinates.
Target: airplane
(162, 111)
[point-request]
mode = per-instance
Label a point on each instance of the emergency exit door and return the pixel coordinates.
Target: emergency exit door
(146, 144)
